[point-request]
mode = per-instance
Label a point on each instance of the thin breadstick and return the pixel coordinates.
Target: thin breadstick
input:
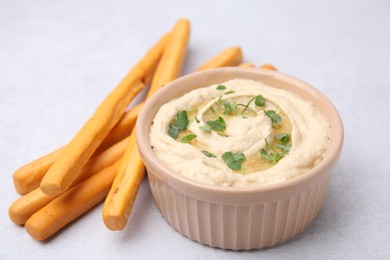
(24, 207)
(28, 177)
(247, 65)
(120, 200)
(122, 129)
(268, 67)
(76, 154)
(228, 57)
(71, 204)
(173, 56)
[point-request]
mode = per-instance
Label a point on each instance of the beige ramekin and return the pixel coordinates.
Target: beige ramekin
(238, 218)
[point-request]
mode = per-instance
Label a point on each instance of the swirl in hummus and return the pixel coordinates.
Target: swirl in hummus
(239, 133)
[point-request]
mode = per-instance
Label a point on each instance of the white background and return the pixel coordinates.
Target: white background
(59, 59)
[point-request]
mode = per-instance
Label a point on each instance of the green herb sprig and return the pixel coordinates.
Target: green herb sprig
(188, 138)
(284, 140)
(208, 154)
(218, 125)
(181, 124)
(275, 118)
(233, 161)
(271, 156)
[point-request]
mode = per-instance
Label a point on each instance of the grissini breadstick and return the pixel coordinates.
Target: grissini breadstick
(173, 56)
(28, 177)
(24, 207)
(122, 129)
(247, 65)
(71, 204)
(76, 154)
(229, 57)
(120, 200)
(268, 67)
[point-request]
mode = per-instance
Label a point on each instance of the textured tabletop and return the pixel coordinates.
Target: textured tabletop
(59, 59)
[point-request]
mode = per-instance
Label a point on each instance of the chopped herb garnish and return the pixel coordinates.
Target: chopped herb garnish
(218, 102)
(271, 156)
(265, 155)
(173, 131)
(197, 120)
(229, 108)
(188, 138)
(247, 105)
(205, 128)
(218, 125)
(221, 87)
(212, 110)
(181, 120)
(245, 108)
(273, 116)
(229, 92)
(284, 138)
(284, 147)
(221, 134)
(208, 154)
(233, 161)
(276, 157)
(260, 101)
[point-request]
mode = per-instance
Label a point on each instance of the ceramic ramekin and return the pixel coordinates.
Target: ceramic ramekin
(238, 218)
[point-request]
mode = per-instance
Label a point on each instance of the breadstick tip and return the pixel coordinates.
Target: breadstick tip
(268, 67)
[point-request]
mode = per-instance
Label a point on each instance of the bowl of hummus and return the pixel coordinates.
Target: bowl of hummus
(239, 158)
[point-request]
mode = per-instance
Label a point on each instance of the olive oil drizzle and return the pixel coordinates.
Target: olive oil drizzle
(230, 107)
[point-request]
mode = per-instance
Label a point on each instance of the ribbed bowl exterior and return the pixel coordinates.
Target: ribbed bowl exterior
(239, 227)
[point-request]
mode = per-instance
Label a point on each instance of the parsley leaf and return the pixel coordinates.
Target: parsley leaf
(173, 131)
(221, 87)
(247, 105)
(276, 157)
(208, 154)
(233, 161)
(218, 125)
(221, 134)
(182, 119)
(273, 116)
(284, 138)
(265, 155)
(229, 92)
(272, 156)
(260, 101)
(188, 138)
(229, 108)
(205, 128)
(284, 147)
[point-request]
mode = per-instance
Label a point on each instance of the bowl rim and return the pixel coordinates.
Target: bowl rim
(147, 153)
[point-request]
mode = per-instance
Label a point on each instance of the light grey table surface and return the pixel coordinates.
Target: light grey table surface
(58, 59)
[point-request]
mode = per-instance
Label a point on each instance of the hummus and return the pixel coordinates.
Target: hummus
(239, 133)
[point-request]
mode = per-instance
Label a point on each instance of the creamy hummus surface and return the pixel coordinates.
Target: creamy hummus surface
(239, 133)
